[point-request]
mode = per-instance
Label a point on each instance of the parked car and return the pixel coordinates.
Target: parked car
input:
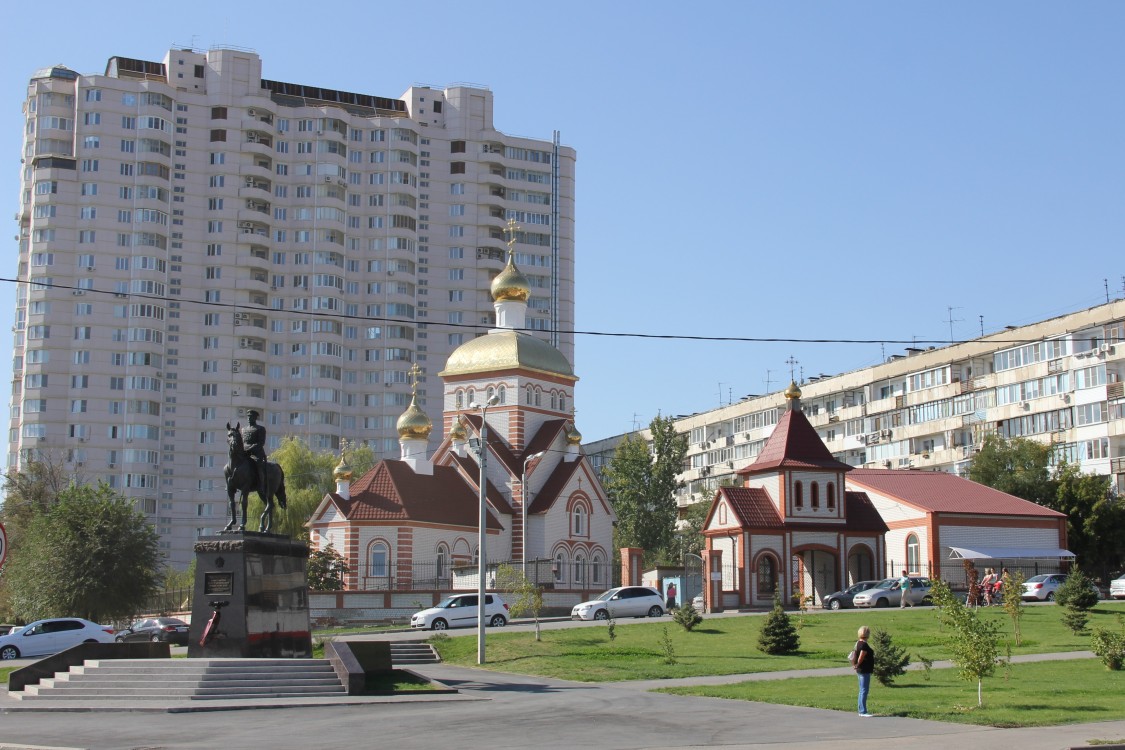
(1117, 587)
(887, 593)
(624, 601)
(155, 629)
(460, 611)
(843, 599)
(1042, 587)
(45, 637)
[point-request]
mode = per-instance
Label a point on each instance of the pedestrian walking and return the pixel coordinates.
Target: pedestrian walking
(863, 662)
(904, 591)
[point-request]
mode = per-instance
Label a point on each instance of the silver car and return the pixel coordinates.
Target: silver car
(624, 601)
(46, 637)
(1117, 588)
(887, 593)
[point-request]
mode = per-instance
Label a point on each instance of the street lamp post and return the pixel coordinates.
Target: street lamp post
(482, 564)
(523, 509)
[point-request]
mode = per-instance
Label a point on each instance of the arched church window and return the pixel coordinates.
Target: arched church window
(502, 394)
(459, 399)
(831, 496)
(538, 395)
(470, 397)
(442, 561)
(562, 402)
(798, 495)
(596, 568)
(489, 393)
(554, 400)
(814, 496)
(579, 520)
(378, 560)
(559, 568)
(913, 553)
(529, 395)
(579, 569)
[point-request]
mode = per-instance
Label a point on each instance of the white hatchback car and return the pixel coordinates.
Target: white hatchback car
(460, 611)
(46, 637)
(625, 601)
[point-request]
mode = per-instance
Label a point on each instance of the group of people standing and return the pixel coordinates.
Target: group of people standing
(991, 587)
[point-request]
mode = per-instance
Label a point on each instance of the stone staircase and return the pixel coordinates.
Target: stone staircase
(412, 652)
(188, 679)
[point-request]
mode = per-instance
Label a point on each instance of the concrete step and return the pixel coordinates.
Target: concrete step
(176, 679)
(413, 652)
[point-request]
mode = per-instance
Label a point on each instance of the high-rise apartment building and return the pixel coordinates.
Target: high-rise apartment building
(196, 241)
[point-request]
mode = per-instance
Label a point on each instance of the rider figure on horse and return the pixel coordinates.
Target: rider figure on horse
(254, 442)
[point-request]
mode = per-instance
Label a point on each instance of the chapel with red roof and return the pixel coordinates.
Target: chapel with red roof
(412, 523)
(792, 527)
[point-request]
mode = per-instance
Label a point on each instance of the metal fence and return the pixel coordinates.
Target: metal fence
(431, 576)
(170, 600)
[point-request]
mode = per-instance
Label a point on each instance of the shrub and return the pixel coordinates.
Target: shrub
(890, 660)
(1110, 648)
(778, 635)
(686, 617)
(1077, 592)
(667, 647)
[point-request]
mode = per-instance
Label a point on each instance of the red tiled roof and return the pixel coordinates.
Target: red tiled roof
(939, 492)
(794, 444)
(392, 491)
(753, 506)
(555, 483)
(861, 513)
(472, 471)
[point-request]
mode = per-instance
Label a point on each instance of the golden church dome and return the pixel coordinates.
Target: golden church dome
(573, 436)
(457, 432)
(343, 471)
(510, 285)
(505, 350)
(414, 424)
(792, 391)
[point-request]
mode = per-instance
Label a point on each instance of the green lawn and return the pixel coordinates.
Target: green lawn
(728, 645)
(1036, 694)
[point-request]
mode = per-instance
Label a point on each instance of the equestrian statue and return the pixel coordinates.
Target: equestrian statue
(247, 471)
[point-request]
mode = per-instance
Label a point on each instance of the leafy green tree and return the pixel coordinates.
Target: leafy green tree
(1110, 646)
(326, 570)
(1095, 518)
(527, 597)
(778, 635)
(92, 554)
(1018, 466)
(308, 478)
(973, 641)
(29, 492)
(1095, 528)
(1013, 602)
(891, 661)
(641, 482)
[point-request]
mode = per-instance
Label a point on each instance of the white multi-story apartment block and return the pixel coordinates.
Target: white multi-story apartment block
(196, 241)
(1058, 381)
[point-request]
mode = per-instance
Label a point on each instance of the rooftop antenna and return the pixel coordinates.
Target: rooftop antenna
(636, 422)
(721, 384)
(952, 321)
(769, 380)
(982, 322)
(1106, 283)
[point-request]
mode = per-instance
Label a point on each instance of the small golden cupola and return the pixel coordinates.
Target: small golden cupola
(414, 429)
(510, 285)
(793, 396)
(343, 473)
(573, 441)
(414, 424)
(457, 433)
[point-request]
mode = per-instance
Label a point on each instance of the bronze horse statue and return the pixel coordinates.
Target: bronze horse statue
(242, 477)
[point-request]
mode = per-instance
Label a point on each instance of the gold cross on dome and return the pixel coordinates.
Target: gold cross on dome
(513, 227)
(415, 372)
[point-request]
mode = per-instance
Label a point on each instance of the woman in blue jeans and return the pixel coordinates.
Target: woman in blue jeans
(863, 665)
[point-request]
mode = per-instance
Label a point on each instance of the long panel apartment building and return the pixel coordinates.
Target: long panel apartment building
(196, 241)
(1059, 381)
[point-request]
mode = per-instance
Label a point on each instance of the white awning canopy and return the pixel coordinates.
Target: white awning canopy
(1010, 553)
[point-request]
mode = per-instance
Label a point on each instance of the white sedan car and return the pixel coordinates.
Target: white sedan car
(46, 637)
(1117, 588)
(460, 611)
(625, 601)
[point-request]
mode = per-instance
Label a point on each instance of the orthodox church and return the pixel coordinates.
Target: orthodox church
(412, 523)
(792, 527)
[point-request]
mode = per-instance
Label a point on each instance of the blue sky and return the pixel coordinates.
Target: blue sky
(788, 170)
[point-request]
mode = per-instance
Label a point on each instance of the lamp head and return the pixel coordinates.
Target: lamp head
(493, 401)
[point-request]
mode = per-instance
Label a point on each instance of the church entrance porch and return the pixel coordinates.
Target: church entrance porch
(814, 574)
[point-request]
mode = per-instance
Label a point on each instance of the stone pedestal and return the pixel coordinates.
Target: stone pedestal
(262, 577)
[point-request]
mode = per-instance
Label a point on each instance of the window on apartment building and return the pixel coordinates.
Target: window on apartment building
(218, 113)
(456, 147)
(457, 167)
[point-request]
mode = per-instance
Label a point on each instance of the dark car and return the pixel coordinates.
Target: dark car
(843, 599)
(156, 629)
